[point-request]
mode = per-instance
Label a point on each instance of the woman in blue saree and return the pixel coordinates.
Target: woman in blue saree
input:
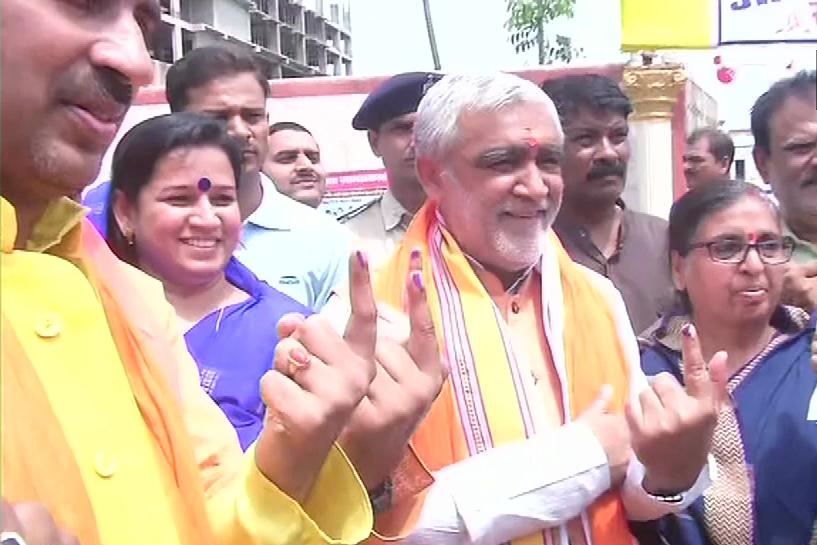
(173, 213)
(728, 256)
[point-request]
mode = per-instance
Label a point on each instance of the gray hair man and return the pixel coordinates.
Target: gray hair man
(529, 437)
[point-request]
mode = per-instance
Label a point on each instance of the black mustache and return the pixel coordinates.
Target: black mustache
(111, 85)
(602, 170)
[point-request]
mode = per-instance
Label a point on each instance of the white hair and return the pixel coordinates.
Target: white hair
(439, 112)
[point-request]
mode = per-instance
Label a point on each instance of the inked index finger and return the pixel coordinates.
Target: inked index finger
(696, 376)
(422, 344)
(361, 329)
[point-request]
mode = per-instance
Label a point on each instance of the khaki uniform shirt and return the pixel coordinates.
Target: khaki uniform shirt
(379, 227)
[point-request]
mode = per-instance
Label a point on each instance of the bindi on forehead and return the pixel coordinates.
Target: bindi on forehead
(204, 184)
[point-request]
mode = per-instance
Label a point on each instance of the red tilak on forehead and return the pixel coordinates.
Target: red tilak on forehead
(533, 145)
(752, 237)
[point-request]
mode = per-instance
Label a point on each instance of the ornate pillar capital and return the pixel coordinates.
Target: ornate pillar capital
(654, 89)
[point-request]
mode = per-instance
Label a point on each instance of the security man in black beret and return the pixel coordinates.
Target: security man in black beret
(388, 115)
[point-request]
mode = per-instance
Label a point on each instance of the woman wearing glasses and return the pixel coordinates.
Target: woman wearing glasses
(727, 255)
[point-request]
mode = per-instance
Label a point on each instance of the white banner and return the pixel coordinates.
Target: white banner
(767, 21)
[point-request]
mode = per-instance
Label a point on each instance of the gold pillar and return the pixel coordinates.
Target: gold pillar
(654, 89)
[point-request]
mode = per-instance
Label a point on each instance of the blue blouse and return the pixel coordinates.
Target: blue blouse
(235, 346)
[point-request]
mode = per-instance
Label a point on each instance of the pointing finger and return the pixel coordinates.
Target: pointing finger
(696, 375)
(719, 375)
(422, 344)
(361, 330)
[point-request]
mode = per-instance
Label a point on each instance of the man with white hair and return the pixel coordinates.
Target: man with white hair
(546, 429)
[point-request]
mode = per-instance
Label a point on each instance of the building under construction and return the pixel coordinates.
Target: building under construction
(288, 38)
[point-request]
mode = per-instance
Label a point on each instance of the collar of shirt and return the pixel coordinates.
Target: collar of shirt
(580, 235)
(275, 211)
(60, 219)
(394, 215)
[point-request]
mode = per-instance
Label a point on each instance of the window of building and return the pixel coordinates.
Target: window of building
(740, 169)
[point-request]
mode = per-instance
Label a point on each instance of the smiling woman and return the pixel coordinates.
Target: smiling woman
(173, 212)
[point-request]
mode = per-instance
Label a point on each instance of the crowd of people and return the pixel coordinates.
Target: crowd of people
(498, 349)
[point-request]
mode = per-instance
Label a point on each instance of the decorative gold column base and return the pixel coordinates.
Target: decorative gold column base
(654, 89)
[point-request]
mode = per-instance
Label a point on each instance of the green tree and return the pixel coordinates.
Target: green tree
(527, 23)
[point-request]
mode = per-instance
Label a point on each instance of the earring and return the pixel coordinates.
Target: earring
(128, 234)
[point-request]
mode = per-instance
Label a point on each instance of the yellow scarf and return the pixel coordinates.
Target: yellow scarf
(483, 403)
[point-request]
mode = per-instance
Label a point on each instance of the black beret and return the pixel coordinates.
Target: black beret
(398, 95)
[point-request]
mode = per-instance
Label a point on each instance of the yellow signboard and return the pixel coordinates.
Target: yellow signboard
(668, 24)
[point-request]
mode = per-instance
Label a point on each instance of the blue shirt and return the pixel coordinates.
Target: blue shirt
(235, 346)
(97, 200)
(295, 248)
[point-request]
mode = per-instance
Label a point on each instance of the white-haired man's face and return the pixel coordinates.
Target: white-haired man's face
(500, 187)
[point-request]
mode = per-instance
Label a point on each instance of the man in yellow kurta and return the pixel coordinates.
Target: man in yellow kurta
(546, 431)
(103, 421)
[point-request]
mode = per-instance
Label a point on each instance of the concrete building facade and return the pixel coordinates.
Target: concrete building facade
(288, 38)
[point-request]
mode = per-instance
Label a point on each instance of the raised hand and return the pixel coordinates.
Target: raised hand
(800, 286)
(318, 380)
(672, 429)
(408, 379)
(34, 524)
(613, 434)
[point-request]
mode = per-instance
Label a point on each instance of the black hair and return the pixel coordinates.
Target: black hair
(287, 126)
(696, 206)
(140, 150)
(720, 144)
(803, 84)
(203, 65)
(593, 92)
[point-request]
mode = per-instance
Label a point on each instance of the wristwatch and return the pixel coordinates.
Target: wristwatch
(11, 538)
(381, 496)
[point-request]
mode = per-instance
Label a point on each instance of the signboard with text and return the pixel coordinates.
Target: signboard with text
(358, 181)
(767, 21)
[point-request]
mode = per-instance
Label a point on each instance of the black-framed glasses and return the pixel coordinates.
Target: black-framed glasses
(771, 250)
